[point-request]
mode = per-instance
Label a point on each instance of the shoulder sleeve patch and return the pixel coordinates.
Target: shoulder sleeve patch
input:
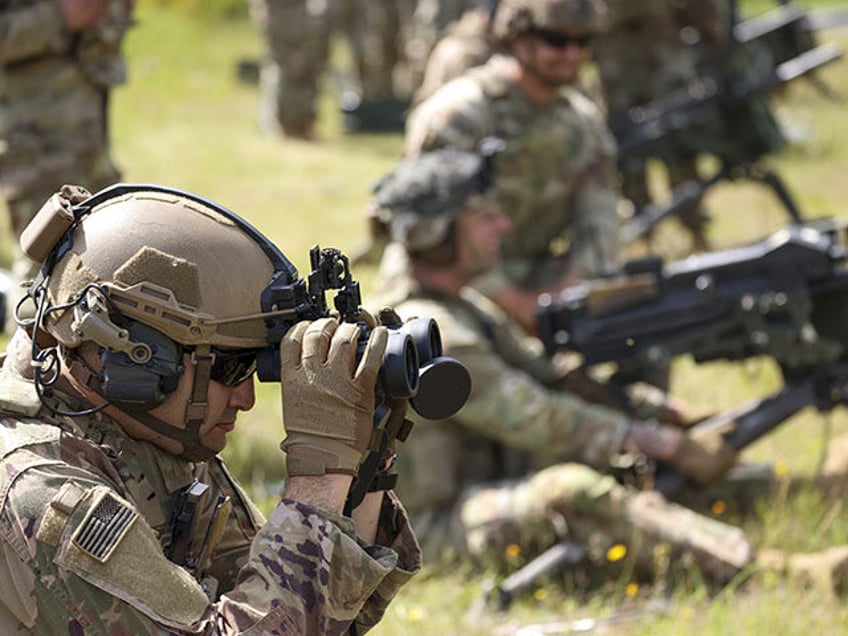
(110, 546)
(104, 527)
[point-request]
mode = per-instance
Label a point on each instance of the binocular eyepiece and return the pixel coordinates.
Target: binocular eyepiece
(410, 345)
(413, 368)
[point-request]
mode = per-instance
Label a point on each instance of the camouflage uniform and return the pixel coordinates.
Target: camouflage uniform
(555, 177)
(642, 58)
(298, 35)
(500, 477)
(428, 22)
(54, 91)
(88, 515)
(467, 43)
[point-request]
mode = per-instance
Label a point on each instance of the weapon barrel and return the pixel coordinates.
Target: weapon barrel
(553, 560)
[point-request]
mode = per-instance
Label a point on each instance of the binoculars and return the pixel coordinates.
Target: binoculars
(413, 368)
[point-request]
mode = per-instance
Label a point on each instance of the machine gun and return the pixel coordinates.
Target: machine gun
(725, 111)
(785, 297)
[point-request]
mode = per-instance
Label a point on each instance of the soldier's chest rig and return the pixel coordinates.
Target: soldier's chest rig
(195, 510)
(547, 151)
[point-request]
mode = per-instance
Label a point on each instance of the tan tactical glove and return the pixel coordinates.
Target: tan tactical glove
(704, 456)
(328, 400)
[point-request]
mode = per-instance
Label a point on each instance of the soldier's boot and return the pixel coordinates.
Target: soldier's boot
(720, 550)
(826, 570)
(304, 129)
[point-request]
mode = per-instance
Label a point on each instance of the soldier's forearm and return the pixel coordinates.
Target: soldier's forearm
(366, 516)
(327, 492)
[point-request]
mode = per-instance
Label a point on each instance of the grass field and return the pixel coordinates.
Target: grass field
(184, 120)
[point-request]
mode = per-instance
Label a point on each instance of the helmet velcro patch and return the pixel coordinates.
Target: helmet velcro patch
(151, 265)
(104, 526)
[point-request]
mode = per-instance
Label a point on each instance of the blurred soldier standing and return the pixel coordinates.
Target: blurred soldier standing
(643, 57)
(118, 515)
(60, 59)
(468, 42)
(556, 176)
(523, 462)
(427, 23)
(298, 36)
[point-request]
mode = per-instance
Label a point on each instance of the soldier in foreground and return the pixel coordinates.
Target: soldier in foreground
(118, 515)
(59, 60)
(556, 175)
(525, 462)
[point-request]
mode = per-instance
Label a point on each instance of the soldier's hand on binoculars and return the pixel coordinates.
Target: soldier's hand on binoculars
(328, 398)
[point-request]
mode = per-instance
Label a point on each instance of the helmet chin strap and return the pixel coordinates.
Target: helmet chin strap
(198, 405)
(189, 437)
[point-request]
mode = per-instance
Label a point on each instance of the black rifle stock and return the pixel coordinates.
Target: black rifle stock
(725, 111)
(785, 297)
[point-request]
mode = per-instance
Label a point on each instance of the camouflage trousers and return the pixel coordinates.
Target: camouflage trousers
(299, 36)
(573, 501)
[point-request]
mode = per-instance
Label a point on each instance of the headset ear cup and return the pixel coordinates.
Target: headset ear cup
(147, 385)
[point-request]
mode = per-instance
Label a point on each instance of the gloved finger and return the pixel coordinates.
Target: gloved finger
(389, 317)
(366, 317)
(316, 341)
(343, 346)
(291, 344)
(372, 358)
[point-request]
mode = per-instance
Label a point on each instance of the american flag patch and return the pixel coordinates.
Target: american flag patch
(104, 527)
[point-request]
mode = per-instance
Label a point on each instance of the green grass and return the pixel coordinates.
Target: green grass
(184, 120)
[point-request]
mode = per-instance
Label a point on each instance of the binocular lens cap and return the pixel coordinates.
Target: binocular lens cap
(443, 388)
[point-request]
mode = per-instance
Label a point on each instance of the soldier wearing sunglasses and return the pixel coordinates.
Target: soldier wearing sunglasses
(556, 176)
(118, 516)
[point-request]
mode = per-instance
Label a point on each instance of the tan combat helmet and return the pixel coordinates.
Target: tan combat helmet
(149, 273)
(168, 261)
(514, 17)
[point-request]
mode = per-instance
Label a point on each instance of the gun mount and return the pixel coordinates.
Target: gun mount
(725, 111)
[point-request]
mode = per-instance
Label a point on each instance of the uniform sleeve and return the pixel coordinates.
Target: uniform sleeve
(595, 238)
(455, 116)
(395, 533)
(31, 31)
(99, 568)
(510, 405)
(509, 400)
(309, 575)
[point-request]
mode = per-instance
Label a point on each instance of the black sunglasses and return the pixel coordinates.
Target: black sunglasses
(558, 40)
(234, 366)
